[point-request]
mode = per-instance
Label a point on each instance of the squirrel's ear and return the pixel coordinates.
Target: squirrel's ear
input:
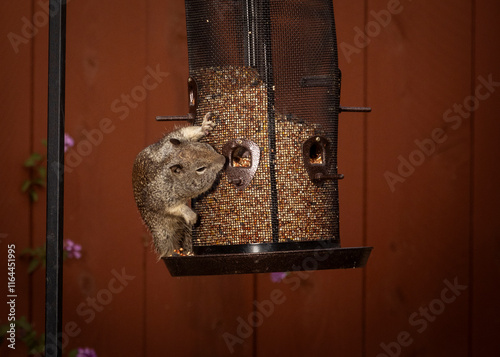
(175, 142)
(176, 168)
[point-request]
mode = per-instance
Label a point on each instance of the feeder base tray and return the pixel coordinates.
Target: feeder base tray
(268, 262)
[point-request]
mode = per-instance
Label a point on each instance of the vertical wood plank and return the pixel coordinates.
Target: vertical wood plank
(109, 64)
(418, 193)
(186, 316)
(101, 288)
(349, 15)
(15, 145)
(485, 324)
(321, 312)
(39, 109)
(352, 161)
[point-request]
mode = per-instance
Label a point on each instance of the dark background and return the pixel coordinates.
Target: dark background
(432, 225)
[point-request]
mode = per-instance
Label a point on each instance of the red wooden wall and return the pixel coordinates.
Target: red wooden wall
(420, 187)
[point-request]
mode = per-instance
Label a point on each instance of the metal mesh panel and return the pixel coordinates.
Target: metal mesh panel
(267, 70)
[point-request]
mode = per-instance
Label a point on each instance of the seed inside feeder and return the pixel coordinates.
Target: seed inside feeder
(316, 154)
(241, 157)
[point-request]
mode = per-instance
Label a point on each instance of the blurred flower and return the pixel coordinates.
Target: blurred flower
(74, 250)
(278, 277)
(68, 142)
(86, 352)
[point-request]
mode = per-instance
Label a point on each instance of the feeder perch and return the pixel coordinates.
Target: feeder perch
(268, 71)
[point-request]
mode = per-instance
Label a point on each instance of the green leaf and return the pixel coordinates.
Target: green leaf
(26, 185)
(27, 334)
(33, 195)
(40, 250)
(33, 265)
(27, 251)
(33, 159)
(23, 323)
(39, 182)
(3, 330)
(42, 171)
(73, 353)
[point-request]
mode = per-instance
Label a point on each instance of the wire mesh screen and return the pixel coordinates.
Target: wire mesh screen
(267, 70)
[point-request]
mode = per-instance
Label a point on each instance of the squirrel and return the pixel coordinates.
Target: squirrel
(168, 173)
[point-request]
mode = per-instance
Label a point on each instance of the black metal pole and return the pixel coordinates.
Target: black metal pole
(55, 178)
(267, 63)
(258, 54)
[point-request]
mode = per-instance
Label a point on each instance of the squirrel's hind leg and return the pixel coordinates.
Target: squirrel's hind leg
(163, 243)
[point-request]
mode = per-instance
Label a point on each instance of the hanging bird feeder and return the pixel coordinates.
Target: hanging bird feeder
(268, 72)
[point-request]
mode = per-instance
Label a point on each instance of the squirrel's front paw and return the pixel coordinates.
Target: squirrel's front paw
(207, 125)
(190, 217)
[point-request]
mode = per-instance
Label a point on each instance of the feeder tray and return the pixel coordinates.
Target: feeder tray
(268, 72)
(268, 262)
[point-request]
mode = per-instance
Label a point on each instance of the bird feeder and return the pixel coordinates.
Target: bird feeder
(268, 72)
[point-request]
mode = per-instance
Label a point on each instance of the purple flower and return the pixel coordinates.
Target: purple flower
(68, 142)
(86, 352)
(278, 277)
(74, 250)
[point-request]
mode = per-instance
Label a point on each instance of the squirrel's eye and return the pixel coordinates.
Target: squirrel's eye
(201, 170)
(176, 169)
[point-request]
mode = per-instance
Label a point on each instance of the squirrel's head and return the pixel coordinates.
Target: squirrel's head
(193, 167)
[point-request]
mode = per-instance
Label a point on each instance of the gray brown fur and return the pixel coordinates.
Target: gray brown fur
(166, 175)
